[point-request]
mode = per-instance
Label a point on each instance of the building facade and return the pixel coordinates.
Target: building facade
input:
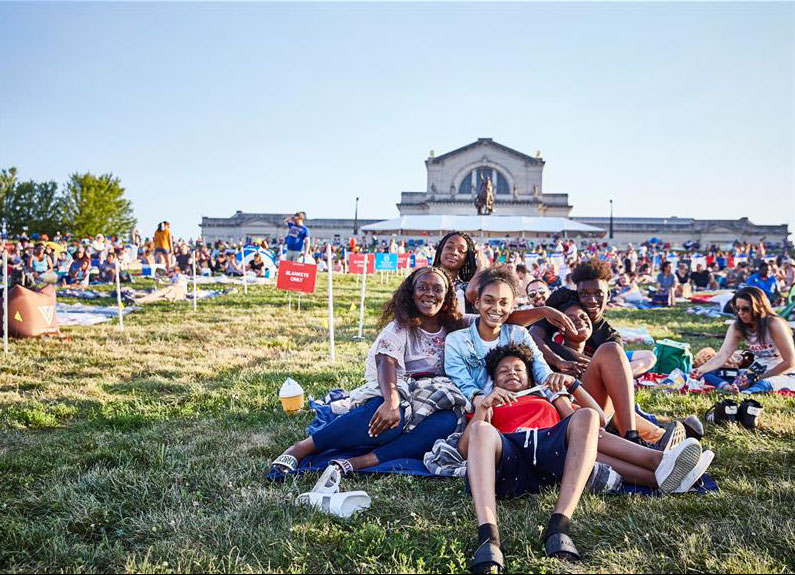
(454, 178)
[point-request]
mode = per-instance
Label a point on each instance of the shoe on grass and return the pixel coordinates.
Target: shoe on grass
(695, 475)
(676, 464)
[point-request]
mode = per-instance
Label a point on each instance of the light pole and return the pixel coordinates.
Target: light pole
(611, 219)
(356, 218)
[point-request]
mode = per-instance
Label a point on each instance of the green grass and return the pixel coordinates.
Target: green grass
(146, 451)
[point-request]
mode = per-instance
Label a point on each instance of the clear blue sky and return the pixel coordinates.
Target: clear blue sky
(204, 109)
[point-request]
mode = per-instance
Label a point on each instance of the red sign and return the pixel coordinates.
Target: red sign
(296, 276)
(356, 262)
(421, 262)
(404, 260)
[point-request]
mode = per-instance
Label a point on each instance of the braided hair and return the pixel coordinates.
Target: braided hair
(470, 265)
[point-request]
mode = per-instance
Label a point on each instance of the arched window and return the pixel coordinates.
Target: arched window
(472, 180)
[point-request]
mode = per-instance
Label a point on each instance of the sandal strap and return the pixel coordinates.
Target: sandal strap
(344, 465)
(560, 543)
(289, 462)
(488, 559)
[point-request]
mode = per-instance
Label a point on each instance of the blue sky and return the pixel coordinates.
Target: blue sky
(205, 109)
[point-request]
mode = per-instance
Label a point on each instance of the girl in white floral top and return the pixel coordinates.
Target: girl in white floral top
(416, 320)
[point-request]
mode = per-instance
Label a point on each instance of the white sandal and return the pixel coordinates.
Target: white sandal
(339, 504)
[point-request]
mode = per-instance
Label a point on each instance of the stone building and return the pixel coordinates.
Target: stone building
(454, 178)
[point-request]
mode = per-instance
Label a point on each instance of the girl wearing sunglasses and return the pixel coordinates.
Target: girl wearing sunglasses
(767, 336)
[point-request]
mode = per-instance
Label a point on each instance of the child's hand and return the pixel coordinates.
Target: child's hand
(557, 382)
(498, 397)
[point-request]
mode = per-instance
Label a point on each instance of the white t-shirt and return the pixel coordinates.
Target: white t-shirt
(489, 345)
(416, 350)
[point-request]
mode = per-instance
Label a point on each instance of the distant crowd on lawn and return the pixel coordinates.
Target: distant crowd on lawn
(541, 265)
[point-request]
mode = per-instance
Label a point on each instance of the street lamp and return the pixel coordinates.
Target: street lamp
(611, 219)
(356, 218)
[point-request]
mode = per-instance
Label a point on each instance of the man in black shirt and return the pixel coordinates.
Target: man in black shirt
(702, 278)
(604, 368)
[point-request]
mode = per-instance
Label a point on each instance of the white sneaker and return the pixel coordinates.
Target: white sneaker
(690, 479)
(676, 464)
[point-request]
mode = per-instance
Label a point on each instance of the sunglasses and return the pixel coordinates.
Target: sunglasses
(743, 309)
(536, 293)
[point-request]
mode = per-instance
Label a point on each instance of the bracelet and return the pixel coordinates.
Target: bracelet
(574, 386)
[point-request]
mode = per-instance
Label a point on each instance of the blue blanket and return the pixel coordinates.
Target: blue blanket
(320, 461)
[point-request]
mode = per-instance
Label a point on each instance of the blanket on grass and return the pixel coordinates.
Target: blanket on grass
(328, 409)
(320, 461)
(81, 314)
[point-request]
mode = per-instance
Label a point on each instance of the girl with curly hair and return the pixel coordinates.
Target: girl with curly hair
(409, 348)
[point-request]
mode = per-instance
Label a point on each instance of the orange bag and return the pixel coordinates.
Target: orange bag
(31, 313)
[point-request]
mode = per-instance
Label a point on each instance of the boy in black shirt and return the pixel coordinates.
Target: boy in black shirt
(603, 367)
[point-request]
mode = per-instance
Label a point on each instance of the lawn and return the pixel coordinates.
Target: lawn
(146, 451)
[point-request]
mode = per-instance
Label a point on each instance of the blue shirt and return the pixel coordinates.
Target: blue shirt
(464, 358)
(769, 285)
(295, 236)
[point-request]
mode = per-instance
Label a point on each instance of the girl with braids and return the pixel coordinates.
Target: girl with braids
(456, 255)
(410, 347)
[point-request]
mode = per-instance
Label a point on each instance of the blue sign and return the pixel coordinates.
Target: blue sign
(385, 262)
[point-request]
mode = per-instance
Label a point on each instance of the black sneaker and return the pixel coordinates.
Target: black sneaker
(673, 436)
(748, 413)
(693, 427)
(724, 411)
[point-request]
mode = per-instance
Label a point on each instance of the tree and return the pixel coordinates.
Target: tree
(96, 204)
(8, 180)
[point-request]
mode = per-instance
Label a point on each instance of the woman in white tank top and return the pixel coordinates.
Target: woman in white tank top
(767, 336)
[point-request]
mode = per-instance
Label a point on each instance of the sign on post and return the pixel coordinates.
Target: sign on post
(386, 262)
(296, 276)
(421, 263)
(404, 261)
(356, 263)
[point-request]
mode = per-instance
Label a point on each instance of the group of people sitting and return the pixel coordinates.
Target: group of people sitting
(550, 405)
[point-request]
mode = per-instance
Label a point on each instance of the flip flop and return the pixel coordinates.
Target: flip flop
(281, 467)
(561, 546)
(338, 504)
(487, 559)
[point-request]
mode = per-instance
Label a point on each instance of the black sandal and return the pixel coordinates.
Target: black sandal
(487, 559)
(561, 546)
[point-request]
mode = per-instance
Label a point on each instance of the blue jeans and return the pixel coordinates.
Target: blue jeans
(718, 382)
(349, 431)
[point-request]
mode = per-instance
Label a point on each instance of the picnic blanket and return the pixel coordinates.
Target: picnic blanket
(320, 461)
(82, 314)
(635, 335)
(83, 293)
(324, 414)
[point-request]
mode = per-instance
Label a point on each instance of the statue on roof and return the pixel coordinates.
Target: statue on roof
(484, 201)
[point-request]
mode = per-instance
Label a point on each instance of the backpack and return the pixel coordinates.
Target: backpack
(673, 355)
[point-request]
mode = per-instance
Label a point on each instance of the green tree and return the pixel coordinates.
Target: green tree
(37, 205)
(8, 181)
(96, 204)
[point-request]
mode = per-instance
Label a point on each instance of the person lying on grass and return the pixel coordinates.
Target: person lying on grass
(767, 336)
(409, 350)
(519, 445)
(602, 364)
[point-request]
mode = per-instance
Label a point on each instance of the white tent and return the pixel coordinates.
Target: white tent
(515, 225)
